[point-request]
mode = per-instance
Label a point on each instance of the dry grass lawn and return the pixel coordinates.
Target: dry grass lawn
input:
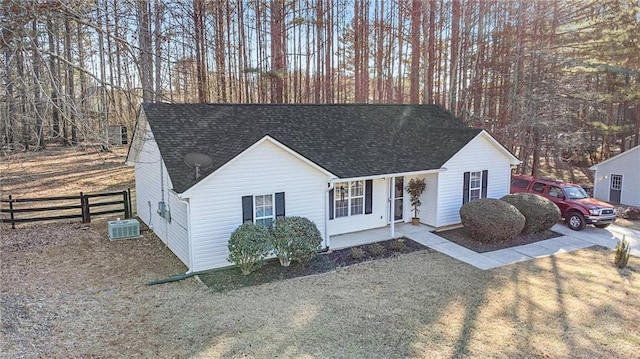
(70, 292)
(59, 171)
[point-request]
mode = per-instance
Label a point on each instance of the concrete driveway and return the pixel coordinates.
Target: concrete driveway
(569, 241)
(632, 235)
(607, 237)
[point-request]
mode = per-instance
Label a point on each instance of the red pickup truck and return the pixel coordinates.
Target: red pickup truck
(577, 208)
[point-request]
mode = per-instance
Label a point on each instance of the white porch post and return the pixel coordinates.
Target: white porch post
(392, 206)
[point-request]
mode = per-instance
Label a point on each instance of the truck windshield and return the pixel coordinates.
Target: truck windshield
(575, 192)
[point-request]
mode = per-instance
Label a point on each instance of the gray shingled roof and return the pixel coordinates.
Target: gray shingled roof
(348, 140)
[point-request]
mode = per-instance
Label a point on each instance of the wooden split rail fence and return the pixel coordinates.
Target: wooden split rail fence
(84, 206)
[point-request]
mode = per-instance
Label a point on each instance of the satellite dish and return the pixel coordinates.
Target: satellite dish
(198, 161)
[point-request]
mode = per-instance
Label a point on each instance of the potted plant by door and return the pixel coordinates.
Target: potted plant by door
(414, 189)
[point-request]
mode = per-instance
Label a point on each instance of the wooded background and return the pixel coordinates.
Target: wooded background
(559, 79)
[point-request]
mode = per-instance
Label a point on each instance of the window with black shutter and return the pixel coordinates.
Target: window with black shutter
(263, 209)
(351, 198)
(474, 185)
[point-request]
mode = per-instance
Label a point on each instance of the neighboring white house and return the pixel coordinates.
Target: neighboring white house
(617, 179)
(201, 170)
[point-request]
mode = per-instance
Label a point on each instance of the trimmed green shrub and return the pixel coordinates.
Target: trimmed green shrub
(376, 249)
(491, 220)
(540, 213)
(295, 239)
(248, 246)
(622, 253)
(357, 253)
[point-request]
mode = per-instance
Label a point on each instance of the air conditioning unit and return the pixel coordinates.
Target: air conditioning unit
(118, 135)
(121, 229)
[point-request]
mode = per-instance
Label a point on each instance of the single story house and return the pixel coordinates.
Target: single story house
(617, 179)
(201, 170)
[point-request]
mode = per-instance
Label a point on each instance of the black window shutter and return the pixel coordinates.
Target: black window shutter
(279, 204)
(368, 196)
(247, 209)
(465, 188)
(485, 176)
(331, 204)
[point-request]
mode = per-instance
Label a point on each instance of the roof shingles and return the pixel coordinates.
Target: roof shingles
(348, 140)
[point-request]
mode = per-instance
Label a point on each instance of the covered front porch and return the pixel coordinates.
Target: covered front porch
(378, 235)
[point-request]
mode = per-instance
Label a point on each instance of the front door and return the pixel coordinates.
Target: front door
(398, 189)
(616, 188)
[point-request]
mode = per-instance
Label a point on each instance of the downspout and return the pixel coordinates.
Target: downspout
(164, 204)
(392, 206)
(188, 203)
(161, 182)
(327, 242)
(175, 277)
(189, 273)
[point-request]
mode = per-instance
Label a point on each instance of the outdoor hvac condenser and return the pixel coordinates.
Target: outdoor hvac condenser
(121, 229)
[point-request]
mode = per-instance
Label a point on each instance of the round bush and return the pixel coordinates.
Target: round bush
(540, 213)
(491, 220)
(295, 239)
(248, 246)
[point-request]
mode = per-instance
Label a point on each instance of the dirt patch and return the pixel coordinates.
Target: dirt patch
(231, 278)
(461, 237)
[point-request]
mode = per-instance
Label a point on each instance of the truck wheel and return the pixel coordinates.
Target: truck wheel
(603, 225)
(576, 221)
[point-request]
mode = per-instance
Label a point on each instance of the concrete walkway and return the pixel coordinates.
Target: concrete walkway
(570, 241)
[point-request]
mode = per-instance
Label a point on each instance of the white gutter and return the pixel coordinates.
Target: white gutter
(401, 174)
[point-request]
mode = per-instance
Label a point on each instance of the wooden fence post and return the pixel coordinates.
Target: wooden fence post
(13, 223)
(84, 204)
(124, 204)
(88, 208)
(129, 203)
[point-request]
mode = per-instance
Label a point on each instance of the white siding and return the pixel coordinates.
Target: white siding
(626, 164)
(429, 199)
(378, 217)
(149, 191)
(478, 155)
(216, 202)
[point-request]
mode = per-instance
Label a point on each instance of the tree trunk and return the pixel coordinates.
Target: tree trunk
(37, 98)
(432, 52)
(104, 115)
(81, 110)
(453, 64)
(55, 78)
(414, 75)
(10, 126)
(146, 57)
(157, 36)
(70, 103)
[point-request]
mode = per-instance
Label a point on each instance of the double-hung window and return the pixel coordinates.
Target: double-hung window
(264, 210)
(474, 185)
(349, 198)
